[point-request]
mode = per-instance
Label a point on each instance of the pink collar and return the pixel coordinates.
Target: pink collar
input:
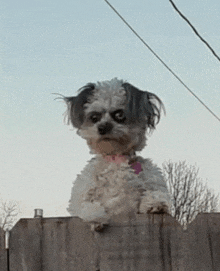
(118, 159)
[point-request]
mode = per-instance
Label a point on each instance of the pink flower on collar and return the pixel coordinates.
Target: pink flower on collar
(136, 167)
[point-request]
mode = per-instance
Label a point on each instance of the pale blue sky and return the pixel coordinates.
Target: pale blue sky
(58, 46)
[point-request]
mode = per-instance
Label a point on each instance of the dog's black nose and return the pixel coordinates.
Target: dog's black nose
(105, 128)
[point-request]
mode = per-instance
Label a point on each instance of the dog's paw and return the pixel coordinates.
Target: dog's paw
(160, 209)
(98, 226)
(155, 202)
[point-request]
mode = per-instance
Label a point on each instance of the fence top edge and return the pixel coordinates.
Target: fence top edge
(137, 220)
(120, 221)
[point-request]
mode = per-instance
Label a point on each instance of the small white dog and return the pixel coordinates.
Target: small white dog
(113, 117)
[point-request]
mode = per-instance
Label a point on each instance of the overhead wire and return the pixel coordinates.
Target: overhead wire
(194, 29)
(160, 59)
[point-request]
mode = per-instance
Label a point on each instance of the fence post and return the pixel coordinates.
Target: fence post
(3, 252)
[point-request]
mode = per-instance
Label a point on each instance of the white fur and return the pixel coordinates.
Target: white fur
(107, 187)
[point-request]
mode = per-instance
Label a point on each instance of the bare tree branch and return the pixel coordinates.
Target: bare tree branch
(9, 211)
(190, 195)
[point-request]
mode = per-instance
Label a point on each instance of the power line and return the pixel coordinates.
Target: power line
(157, 56)
(194, 29)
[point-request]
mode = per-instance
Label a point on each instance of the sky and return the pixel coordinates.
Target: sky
(53, 46)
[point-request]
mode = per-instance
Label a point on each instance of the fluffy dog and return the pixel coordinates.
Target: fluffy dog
(113, 117)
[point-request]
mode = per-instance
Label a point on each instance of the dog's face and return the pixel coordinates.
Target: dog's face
(113, 116)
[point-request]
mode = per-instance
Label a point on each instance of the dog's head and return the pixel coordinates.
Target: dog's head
(113, 116)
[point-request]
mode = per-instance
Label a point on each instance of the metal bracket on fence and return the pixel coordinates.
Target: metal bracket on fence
(38, 213)
(7, 235)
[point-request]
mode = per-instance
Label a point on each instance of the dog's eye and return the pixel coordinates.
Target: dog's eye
(95, 117)
(119, 116)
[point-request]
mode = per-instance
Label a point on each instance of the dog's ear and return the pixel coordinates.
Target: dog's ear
(75, 105)
(143, 106)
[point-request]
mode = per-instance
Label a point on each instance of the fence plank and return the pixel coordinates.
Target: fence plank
(67, 245)
(201, 243)
(25, 245)
(143, 242)
(213, 235)
(44, 244)
(3, 252)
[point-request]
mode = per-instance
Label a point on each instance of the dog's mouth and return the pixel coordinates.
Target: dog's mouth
(121, 140)
(107, 139)
(111, 145)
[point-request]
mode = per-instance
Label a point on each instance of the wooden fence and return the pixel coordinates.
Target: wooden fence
(144, 243)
